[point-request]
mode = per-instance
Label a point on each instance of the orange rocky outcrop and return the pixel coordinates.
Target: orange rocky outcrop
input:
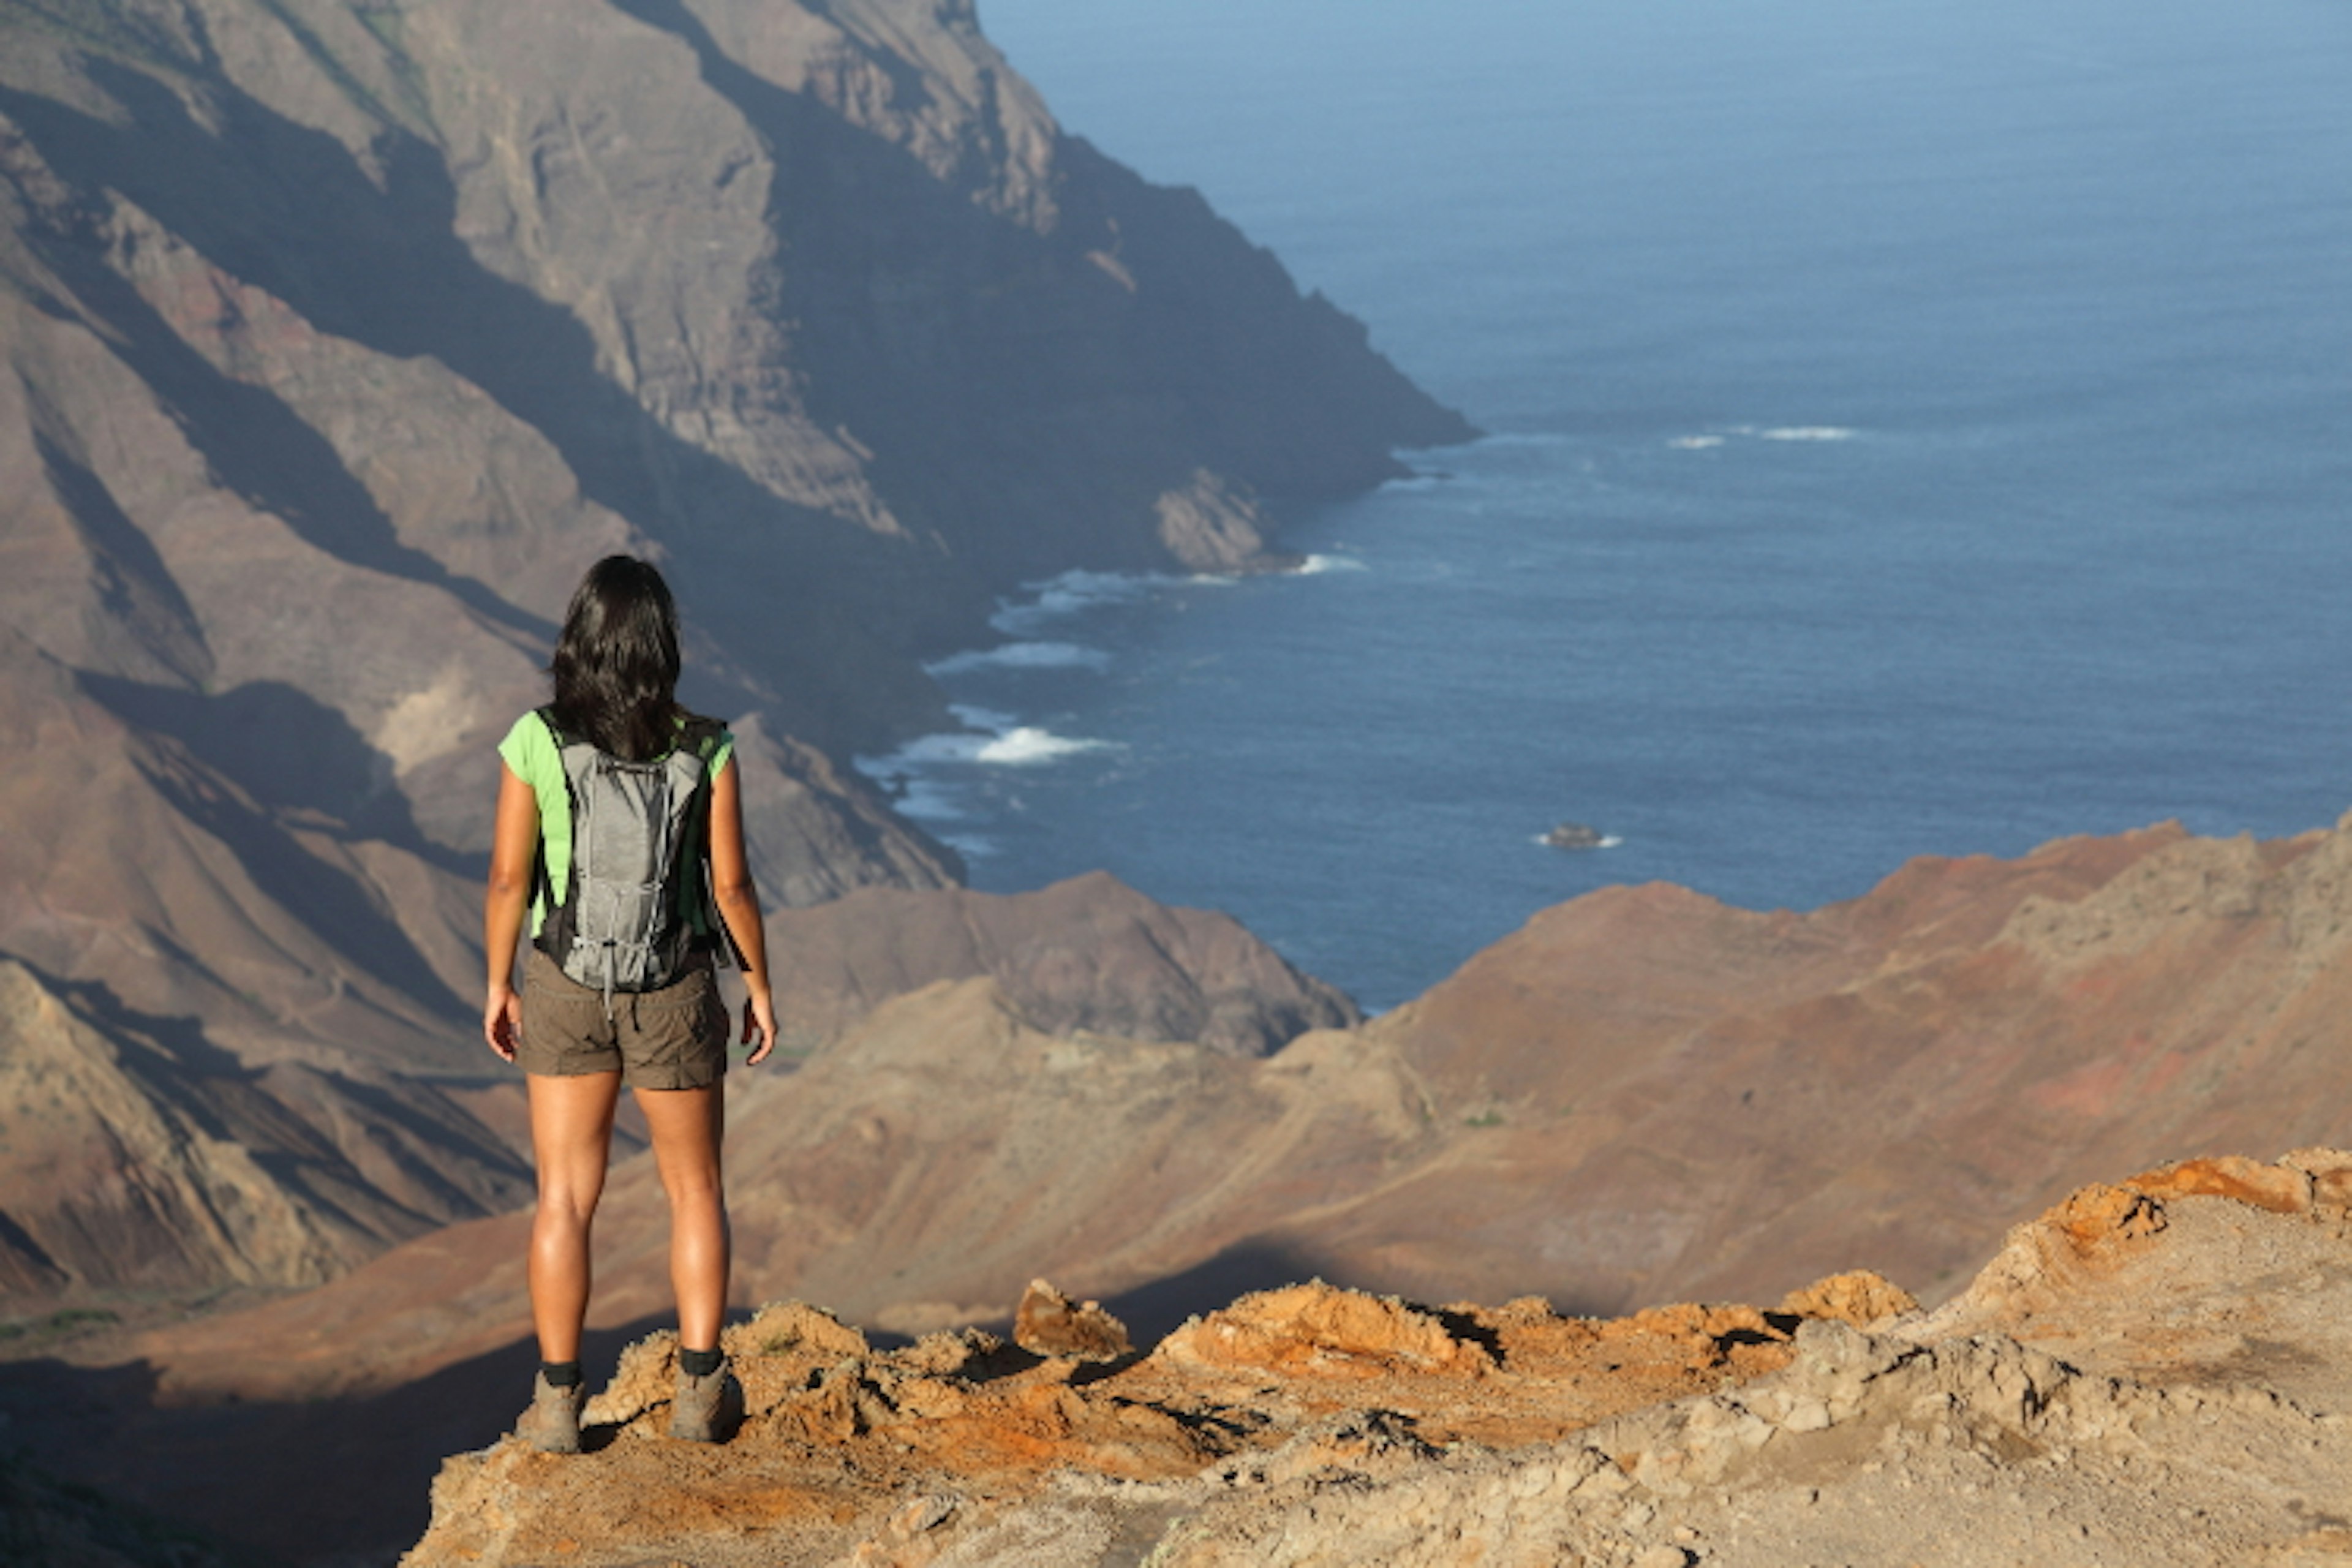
(2155, 1371)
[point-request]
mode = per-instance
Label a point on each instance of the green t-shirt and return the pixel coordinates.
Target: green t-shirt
(531, 750)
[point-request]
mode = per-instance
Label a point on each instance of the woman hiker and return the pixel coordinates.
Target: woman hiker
(613, 801)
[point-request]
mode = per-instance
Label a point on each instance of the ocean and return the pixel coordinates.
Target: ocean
(1911, 430)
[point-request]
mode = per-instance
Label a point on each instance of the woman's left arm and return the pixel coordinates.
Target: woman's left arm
(739, 906)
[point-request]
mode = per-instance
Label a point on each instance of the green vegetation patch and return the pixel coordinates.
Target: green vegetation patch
(59, 1324)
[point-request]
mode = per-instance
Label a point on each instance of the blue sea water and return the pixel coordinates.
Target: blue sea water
(1913, 429)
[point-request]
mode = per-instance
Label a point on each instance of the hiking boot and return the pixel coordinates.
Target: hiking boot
(706, 1409)
(551, 1425)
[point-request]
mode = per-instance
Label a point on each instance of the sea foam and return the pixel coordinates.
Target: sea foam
(1023, 655)
(989, 737)
(1074, 593)
(1025, 745)
(971, 846)
(1806, 433)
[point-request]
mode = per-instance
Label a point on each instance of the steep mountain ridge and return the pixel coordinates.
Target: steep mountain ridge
(337, 338)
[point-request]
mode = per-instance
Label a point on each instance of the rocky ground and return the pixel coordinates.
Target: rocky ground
(2155, 1372)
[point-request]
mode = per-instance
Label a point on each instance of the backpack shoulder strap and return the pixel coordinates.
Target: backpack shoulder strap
(700, 737)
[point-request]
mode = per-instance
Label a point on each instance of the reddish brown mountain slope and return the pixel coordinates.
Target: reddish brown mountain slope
(1661, 1096)
(1642, 1095)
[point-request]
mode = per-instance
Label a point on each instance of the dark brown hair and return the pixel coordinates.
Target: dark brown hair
(616, 664)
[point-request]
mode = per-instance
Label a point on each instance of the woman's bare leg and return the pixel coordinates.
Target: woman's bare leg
(688, 1125)
(572, 1140)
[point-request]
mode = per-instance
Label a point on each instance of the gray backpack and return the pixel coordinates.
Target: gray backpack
(636, 906)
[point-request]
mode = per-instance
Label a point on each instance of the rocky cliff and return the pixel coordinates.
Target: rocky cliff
(337, 338)
(2151, 1372)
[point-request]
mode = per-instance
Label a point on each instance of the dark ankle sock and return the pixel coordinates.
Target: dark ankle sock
(561, 1374)
(698, 1364)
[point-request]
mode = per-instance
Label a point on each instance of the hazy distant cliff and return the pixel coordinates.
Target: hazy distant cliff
(336, 338)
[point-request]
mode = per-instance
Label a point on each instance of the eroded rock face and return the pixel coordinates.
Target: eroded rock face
(1048, 1323)
(134, 1157)
(1089, 955)
(336, 341)
(981, 1436)
(1317, 1425)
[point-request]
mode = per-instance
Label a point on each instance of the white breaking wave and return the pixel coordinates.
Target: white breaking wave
(1316, 566)
(990, 737)
(953, 746)
(1520, 438)
(922, 800)
(1695, 443)
(1023, 655)
(910, 793)
(970, 845)
(1074, 593)
(1806, 433)
(1024, 745)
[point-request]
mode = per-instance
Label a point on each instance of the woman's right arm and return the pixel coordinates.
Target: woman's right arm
(514, 840)
(739, 906)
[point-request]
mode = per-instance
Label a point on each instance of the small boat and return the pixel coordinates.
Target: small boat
(1576, 835)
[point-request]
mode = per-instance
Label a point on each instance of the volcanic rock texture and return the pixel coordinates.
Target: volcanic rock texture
(337, 338)
(2159, 1371)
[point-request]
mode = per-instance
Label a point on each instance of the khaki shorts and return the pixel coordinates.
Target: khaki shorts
(672, 1038)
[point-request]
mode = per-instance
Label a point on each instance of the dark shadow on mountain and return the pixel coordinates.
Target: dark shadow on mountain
(260, 448)
(1151, 1311)
(135, 586)
(933, 325)
(181, 1040)
(1075, 374)
(1026, 397)
(393, 1103)
(45, 1521)
(288, 210)
(26, 1269)
(289, 751)
(316, 1482)
(322, 898)
(48, 1512)
(294, 1120)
